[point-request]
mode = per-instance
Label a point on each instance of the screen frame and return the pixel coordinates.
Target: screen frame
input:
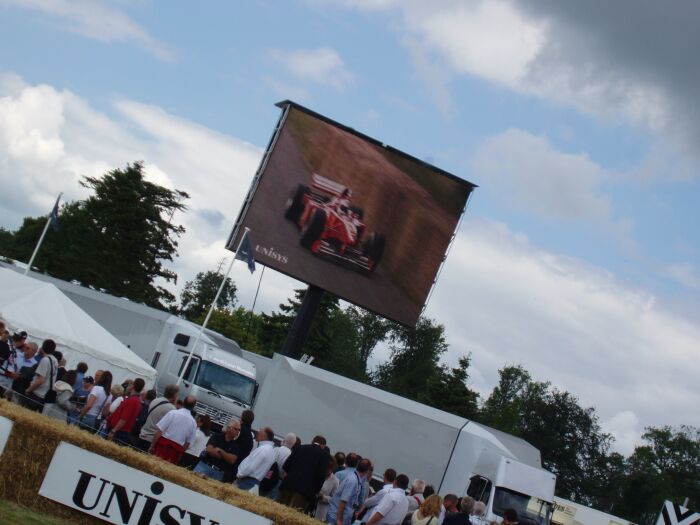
(286, 106)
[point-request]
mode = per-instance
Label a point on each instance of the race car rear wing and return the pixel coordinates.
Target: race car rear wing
(326, 185)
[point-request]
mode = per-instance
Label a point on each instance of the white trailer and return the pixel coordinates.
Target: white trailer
(223, 382)
(569, 513)
(452, 453)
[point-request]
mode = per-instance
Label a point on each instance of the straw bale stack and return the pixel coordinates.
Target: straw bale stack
(35, 437)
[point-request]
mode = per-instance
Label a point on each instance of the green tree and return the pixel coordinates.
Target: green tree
(370, 329)
(448, 391)
(6, 242)
(116, 240)
(68, 253)
(665, 467)
(332, 337)
(415, 360)
(568, 436)
(241, 325)
(198, 295)
(504, 408)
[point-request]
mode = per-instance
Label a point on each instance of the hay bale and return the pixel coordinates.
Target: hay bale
(34, 439)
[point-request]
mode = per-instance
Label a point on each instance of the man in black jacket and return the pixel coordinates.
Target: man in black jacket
(306, 469)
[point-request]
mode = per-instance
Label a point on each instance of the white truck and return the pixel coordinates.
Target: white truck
(224, 383)
(453, 454)
(569, 513)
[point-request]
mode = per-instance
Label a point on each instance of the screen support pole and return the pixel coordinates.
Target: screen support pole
(302, 322)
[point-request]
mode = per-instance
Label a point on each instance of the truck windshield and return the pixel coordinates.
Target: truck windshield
(531, 510)
(225, 382)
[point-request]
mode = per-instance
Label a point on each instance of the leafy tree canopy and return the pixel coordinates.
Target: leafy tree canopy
(116, 240)
(198, 295)
(569, 437)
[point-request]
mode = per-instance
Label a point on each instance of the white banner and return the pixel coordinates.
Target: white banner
(5, 429)
(123, 495)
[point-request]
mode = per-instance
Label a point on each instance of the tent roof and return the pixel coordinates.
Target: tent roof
(103, 297)
(45, 312)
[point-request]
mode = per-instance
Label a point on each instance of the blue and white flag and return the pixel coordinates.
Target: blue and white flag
(53, 216)
(245, 251)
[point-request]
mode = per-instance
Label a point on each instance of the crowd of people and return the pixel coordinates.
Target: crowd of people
(336, 489)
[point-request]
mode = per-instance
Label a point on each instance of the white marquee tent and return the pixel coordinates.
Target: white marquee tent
(46, 313)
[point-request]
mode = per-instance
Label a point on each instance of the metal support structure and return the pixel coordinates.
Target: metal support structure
(302, 323)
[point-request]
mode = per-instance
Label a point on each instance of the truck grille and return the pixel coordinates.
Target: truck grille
(216, 415)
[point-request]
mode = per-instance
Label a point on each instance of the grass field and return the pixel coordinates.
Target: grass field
(11, 514)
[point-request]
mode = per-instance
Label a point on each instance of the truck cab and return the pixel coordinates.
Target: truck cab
(223, 383)
(512, 484)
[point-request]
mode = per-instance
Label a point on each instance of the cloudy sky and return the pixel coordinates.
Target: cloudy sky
(579, 254)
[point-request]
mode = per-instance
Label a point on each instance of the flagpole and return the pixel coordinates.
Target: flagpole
(211, 308)
(43, 234)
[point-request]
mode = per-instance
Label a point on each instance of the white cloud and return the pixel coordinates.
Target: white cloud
(487, 39)
(322, 65)
(435, 76)
(617, 348)
(685, 274)
(50, 138)
(625, 428)
(97, 20)
(540, 179)
(591, 58)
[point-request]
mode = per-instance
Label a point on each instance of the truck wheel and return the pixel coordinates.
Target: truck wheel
(313, 229)
(374, 248)
(295, 203)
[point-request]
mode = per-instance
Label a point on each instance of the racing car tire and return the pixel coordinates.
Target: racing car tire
(313, 229)
(374, 248)
(295, 203)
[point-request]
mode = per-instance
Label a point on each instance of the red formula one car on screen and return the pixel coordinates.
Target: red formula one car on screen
(331, 226)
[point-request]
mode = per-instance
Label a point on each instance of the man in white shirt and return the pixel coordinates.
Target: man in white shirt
(373, 501)
(176, 430)
(392, 509)
(269, 486)
(253, 468)
(283, 451)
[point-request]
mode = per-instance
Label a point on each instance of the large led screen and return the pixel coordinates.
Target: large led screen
(341, 211)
